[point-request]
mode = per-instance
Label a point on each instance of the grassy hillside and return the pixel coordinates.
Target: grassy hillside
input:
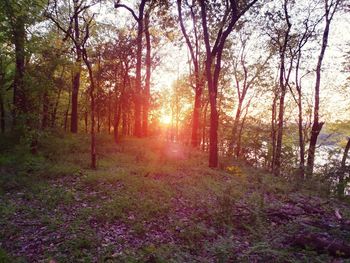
(155, 201)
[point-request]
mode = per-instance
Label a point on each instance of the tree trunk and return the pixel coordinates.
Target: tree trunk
(195, 139)
(148, 78)
(138, 88)
(109, 112)
(212, 92)
(45, 115)
(195, 54)
(301, 139)
(124, 122)
(240, 131)
(123, 107)
(92, 101)
(67, 111)
(98, 120)
(2, 103)
(213, 133)
(55, 107)
(54, 111)
(235, 127)
(317, 126)
(130, 130)
(19, 99)
(93, 139)
(239, 140)
(204, 126)
(75, 94)
(86, 120)
(273, 132)
(342, 181)
(76, 80)
(300, 116)
(278, 149)
(213, 68)
(2, 113)
(116, 123)
(278, 153)
(283, 82)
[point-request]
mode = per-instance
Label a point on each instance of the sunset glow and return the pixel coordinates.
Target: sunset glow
(165, 119)
(174, 131)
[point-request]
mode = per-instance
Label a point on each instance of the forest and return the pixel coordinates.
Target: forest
(174, 131)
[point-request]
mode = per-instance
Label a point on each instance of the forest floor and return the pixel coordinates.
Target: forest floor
(154, 201)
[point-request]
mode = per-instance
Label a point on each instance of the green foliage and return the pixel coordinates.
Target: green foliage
(222, 247)
(52, 197)
(79, 247)
(4, 257)
(7, 209)
(268, 253)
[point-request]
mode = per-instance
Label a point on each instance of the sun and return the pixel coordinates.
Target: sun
(165, 119)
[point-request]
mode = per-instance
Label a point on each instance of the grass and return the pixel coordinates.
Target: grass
(140, 205)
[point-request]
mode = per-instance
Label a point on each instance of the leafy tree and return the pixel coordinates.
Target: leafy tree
(330, 8)
(227, 15)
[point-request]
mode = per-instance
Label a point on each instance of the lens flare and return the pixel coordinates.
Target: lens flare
(165, 119)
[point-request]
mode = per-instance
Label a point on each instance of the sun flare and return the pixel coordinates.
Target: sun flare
(165, 119)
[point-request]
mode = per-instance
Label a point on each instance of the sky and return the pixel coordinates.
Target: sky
(174, 62)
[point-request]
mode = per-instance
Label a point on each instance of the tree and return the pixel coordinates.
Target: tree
(80, 38)
(193, 46)
(18, 15)
(91, 90)
(302, 37)
(5, 80)
(230, 12)
(119, 60)
(138, 89)
(330, 7)
(68, 21)
(146, 97)
(280, 38)
(4, 83)
(246, 76)
(17, 21)
(343, 181)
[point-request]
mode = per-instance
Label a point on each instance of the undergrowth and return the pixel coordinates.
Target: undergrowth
(169, 208)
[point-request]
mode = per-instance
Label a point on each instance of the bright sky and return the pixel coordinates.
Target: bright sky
(174, 62)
